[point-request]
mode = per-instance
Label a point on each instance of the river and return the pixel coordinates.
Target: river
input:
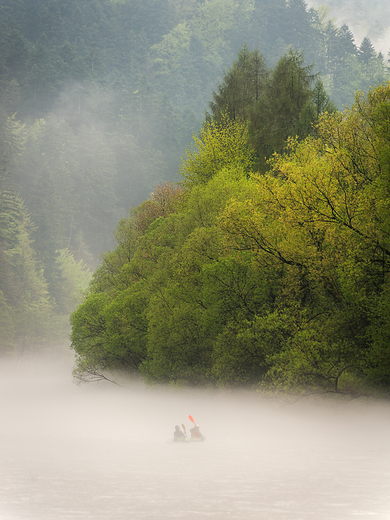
(95, 452)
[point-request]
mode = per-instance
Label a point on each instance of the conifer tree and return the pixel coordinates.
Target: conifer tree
(242, 86)
(366, 51)
(347, 42)
(287, 110)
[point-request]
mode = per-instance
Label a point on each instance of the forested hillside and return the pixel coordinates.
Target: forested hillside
(99, 100)
(278, 279)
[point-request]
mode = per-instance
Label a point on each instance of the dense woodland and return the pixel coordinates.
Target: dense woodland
(98, 102)
(277, 278)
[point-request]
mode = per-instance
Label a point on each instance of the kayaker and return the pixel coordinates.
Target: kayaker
(195, 433)
(178, 434)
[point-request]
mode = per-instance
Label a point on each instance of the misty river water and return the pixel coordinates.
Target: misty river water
(95, 452)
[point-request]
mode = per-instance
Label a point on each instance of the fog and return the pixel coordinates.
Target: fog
(102, 451)
(364, 19)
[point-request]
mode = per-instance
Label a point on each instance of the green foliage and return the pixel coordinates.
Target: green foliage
(221, 145)
(317, 215)
(73, 281)
(275, 103)
(279, 280)
(26, 307)
(7, 325)
(98, 99)
(244, 351)
(288, 107)
(242, 86)
(321, 100)
(88, 332)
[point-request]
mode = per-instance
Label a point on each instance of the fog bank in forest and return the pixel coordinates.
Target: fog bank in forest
(365, 19)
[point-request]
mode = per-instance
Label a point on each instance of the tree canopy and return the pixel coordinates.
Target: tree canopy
(278, 280)
(276, 103)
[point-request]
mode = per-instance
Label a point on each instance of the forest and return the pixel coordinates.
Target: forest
(141, 146)
(278, 279)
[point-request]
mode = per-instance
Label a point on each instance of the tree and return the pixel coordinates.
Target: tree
(201, 287)
(285, 110)
(346, 43)
(109, 329)
(320, 219)
(242, 86)
(221, 145)
(23, 289)
(300, 31)
(366, 51)
(321, 100)
(162, 202)
(276, 104)
(72, 281)
(289, 95)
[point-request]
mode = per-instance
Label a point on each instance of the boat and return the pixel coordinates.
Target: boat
(196, 439)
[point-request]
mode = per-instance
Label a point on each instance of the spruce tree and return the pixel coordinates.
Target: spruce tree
(242, 86)
(366, 51)
(288, 109)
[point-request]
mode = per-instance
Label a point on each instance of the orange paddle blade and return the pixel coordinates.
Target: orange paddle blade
(191, 419)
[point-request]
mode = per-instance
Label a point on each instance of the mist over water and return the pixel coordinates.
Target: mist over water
(105, 452)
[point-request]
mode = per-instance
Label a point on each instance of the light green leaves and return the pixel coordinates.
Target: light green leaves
(221, 145)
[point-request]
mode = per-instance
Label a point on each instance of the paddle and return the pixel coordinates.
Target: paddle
(184, 428)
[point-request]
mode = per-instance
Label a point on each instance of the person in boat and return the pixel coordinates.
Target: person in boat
(178, 435)
(195, 433)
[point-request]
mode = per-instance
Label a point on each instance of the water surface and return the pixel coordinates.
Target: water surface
(97, 452)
